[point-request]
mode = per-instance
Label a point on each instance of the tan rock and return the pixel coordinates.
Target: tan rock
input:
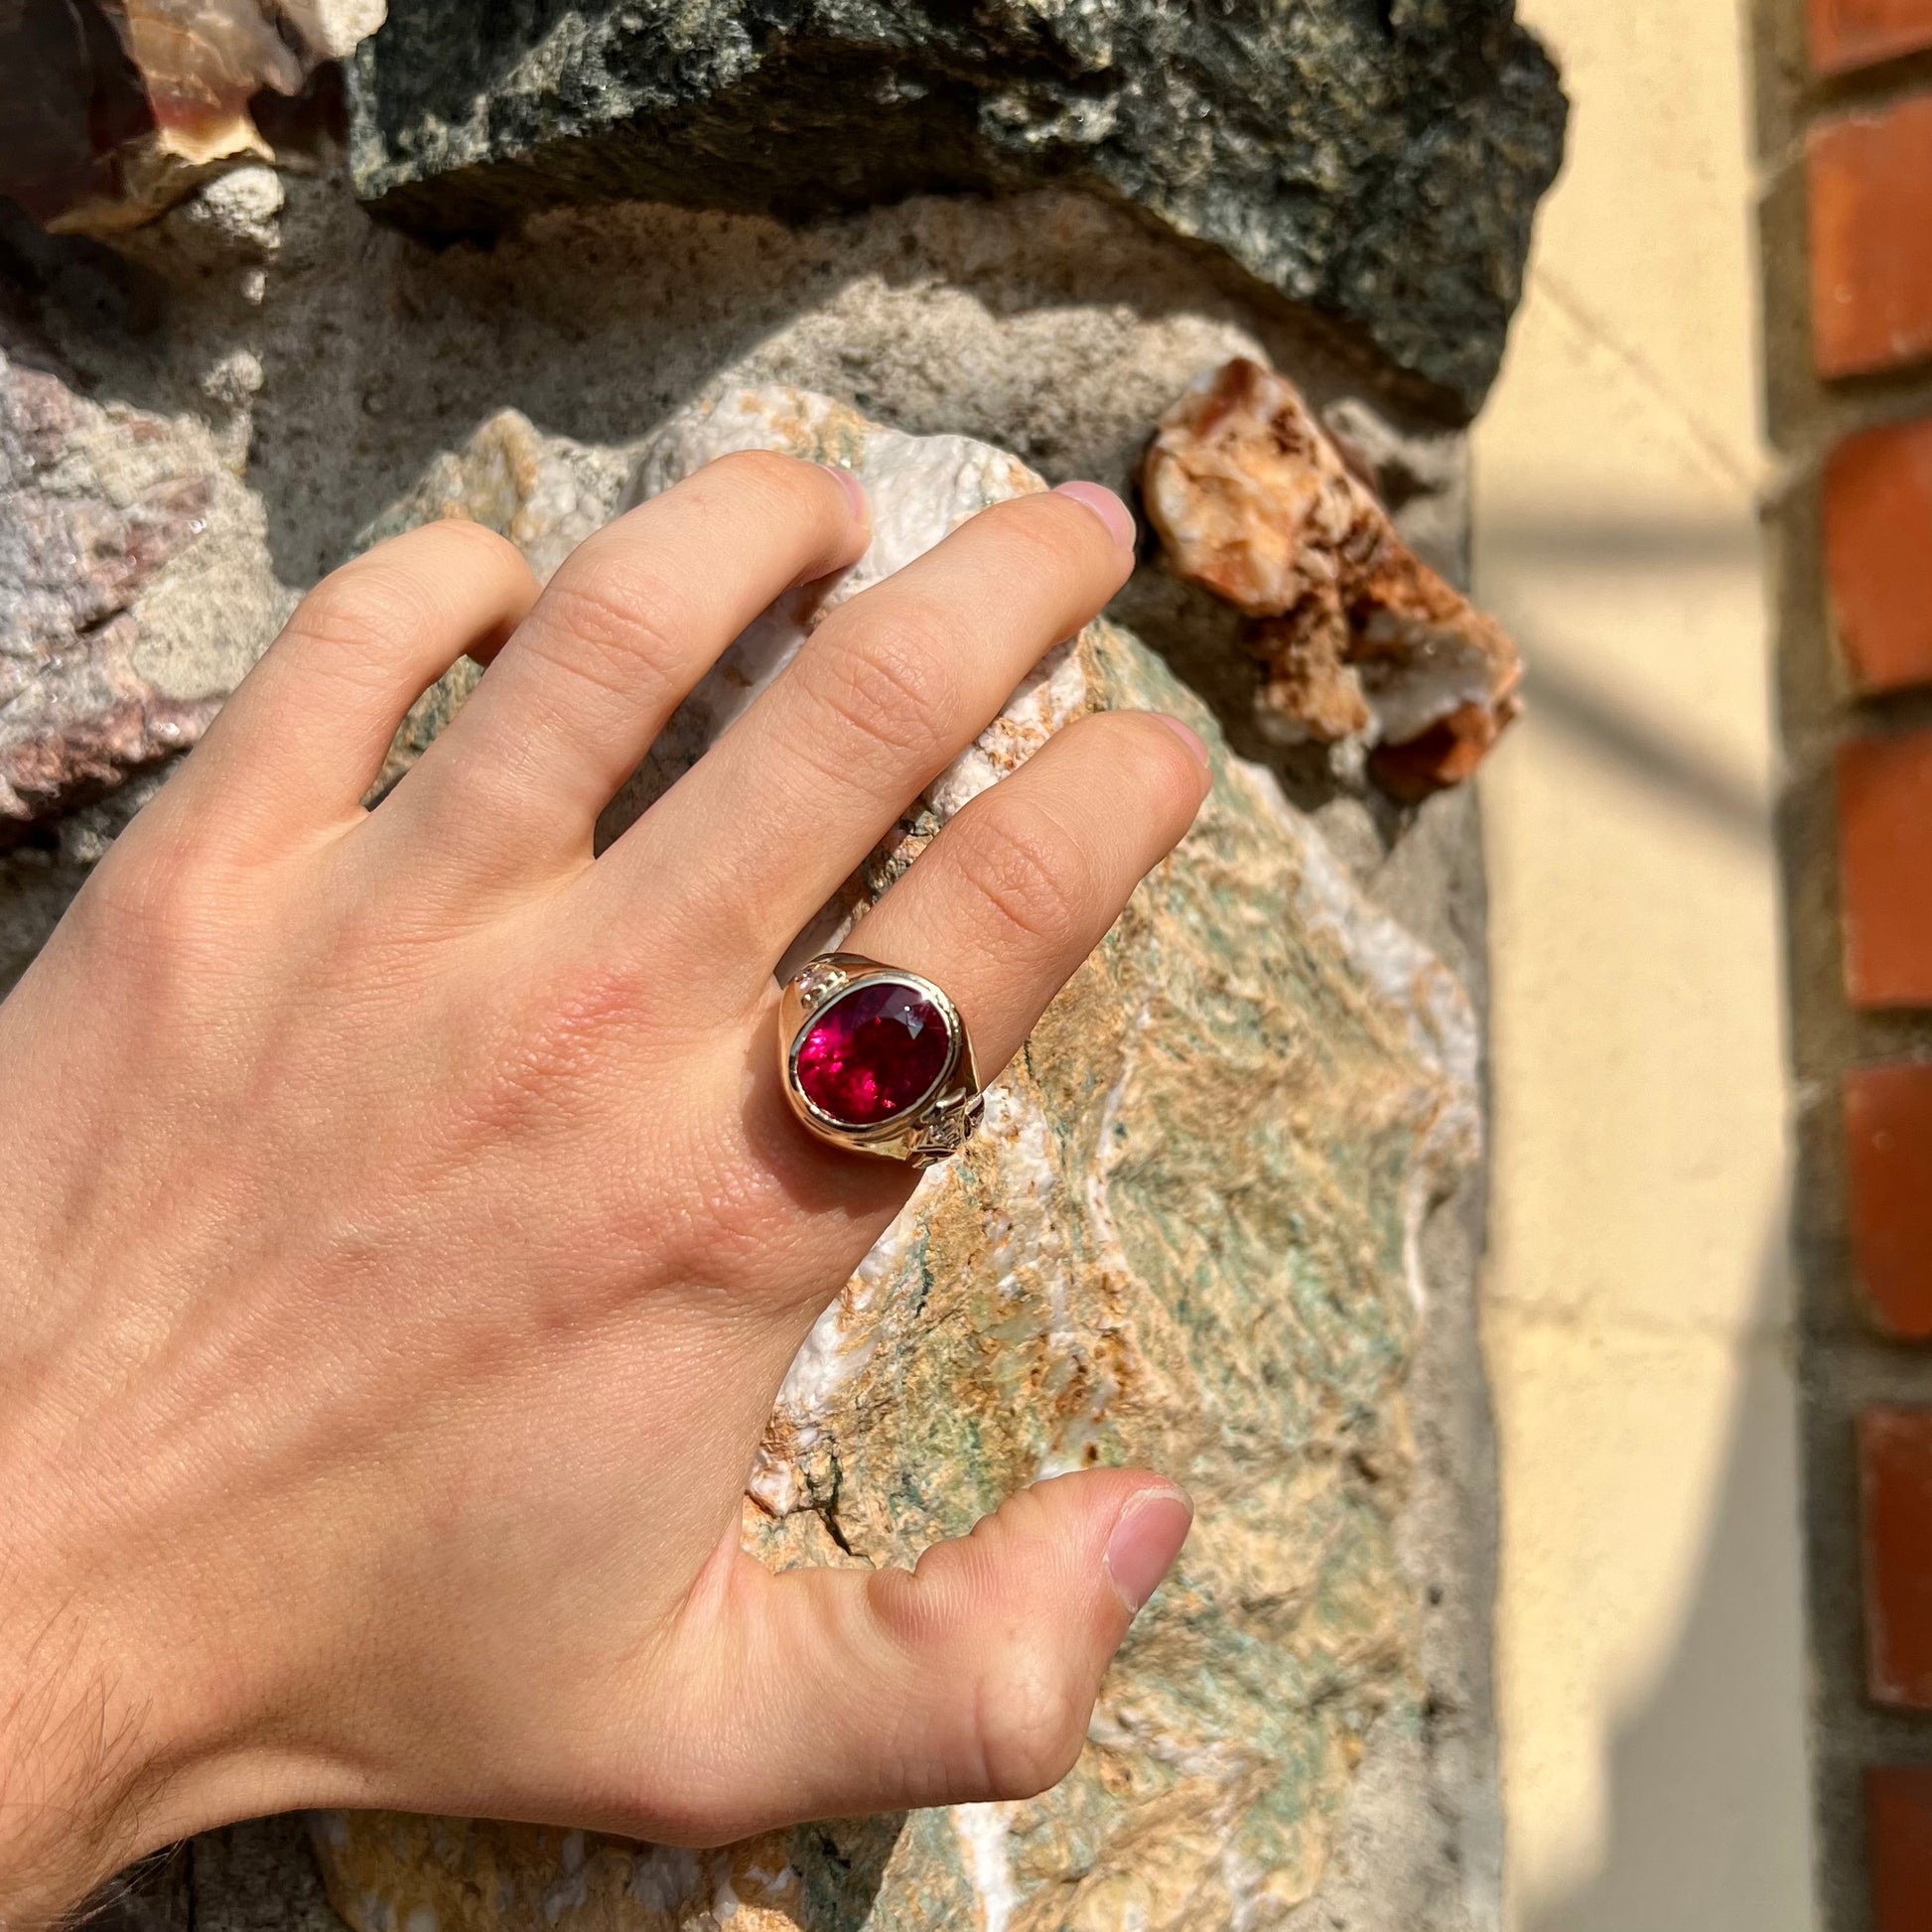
(1360, 641)
(1188, 1235)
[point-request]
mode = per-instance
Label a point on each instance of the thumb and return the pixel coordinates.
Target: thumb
(972, 1676)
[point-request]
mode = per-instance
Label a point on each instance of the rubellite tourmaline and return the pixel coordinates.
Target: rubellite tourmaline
(870, 1054)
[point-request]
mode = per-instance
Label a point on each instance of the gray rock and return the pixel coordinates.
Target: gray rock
(1378, 161)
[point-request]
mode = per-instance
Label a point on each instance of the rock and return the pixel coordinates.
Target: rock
(1053, 323)
(1189, 1234)
(331, 30)
(1379, 165)
(1360, 641)
(94, 503)
(545, 493)
(132, 102)
(77, 105)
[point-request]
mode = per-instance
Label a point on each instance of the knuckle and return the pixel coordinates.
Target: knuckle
(763, 471)
(613, 625)
(887, 683)
(1032, 1723)
(468, 800)
(166, 924)
(465, 550)
(1048, 537)
(154, 890)
(346, 620)
(465, 533)
(1028, 873)
(1038, 533)
(1153, 770)
(668, 1813)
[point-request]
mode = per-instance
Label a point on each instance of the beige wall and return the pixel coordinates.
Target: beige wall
(1649, 1631)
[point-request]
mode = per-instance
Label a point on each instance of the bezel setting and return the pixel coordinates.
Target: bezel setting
(926, 1130)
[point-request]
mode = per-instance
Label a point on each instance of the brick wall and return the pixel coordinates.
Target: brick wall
(1846, 134)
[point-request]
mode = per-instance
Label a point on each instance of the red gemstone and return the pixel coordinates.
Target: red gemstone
(872, 1052)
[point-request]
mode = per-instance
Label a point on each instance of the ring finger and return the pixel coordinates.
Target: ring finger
(1026, 881)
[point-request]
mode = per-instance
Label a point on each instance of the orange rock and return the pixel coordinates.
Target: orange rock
(1360, 641)
(133, 102)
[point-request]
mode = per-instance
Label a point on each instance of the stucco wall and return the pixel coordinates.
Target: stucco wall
(1638, 1305)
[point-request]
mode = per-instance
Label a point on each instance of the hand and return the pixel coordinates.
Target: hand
(407, 1234)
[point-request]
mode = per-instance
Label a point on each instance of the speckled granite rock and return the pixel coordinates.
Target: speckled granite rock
(1053, 323)
(1189, 1234)
(1379, 162)
(94, 503)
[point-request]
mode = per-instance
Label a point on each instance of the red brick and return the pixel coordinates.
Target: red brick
(1899, 1846)
(1884, 830)
(1895, 1504)
(1879, 554)
(1870, 187)
(1889, 1149)
(1850, 34)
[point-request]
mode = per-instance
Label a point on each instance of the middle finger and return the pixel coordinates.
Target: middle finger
(887, 691)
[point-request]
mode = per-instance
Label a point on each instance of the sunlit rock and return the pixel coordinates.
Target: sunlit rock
(1360, 641)
(1187, 1235)
(1377, 163)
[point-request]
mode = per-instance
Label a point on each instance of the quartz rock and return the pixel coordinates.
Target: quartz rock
(1186, 1235)
(1378, 163)
(128, 104)
(1361, 643)
(546, 494)
(93, 504)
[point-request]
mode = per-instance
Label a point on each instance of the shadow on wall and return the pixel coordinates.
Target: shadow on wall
(1710, 1762)
(1591, 713)
(1718, 1744)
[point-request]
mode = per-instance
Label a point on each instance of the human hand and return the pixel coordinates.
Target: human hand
(345, 1147)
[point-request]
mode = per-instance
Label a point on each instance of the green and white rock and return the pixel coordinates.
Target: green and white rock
(1188, 1235)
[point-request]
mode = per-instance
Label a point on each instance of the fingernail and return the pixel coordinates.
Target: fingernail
(1147, 1539)
(855, 492)
(1118, 519)
(1191, 739)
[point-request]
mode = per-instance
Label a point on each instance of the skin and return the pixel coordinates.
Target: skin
(408, 1233)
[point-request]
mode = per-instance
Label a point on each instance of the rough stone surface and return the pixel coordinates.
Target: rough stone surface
(1378, 162)
(1188, 1234)
(94, 504)
(1361, 643)
(325, 365)
(125, 104)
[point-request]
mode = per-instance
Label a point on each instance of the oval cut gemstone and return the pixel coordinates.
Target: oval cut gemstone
(872, 1052)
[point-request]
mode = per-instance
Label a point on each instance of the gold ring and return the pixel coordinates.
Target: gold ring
(877, 1059)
